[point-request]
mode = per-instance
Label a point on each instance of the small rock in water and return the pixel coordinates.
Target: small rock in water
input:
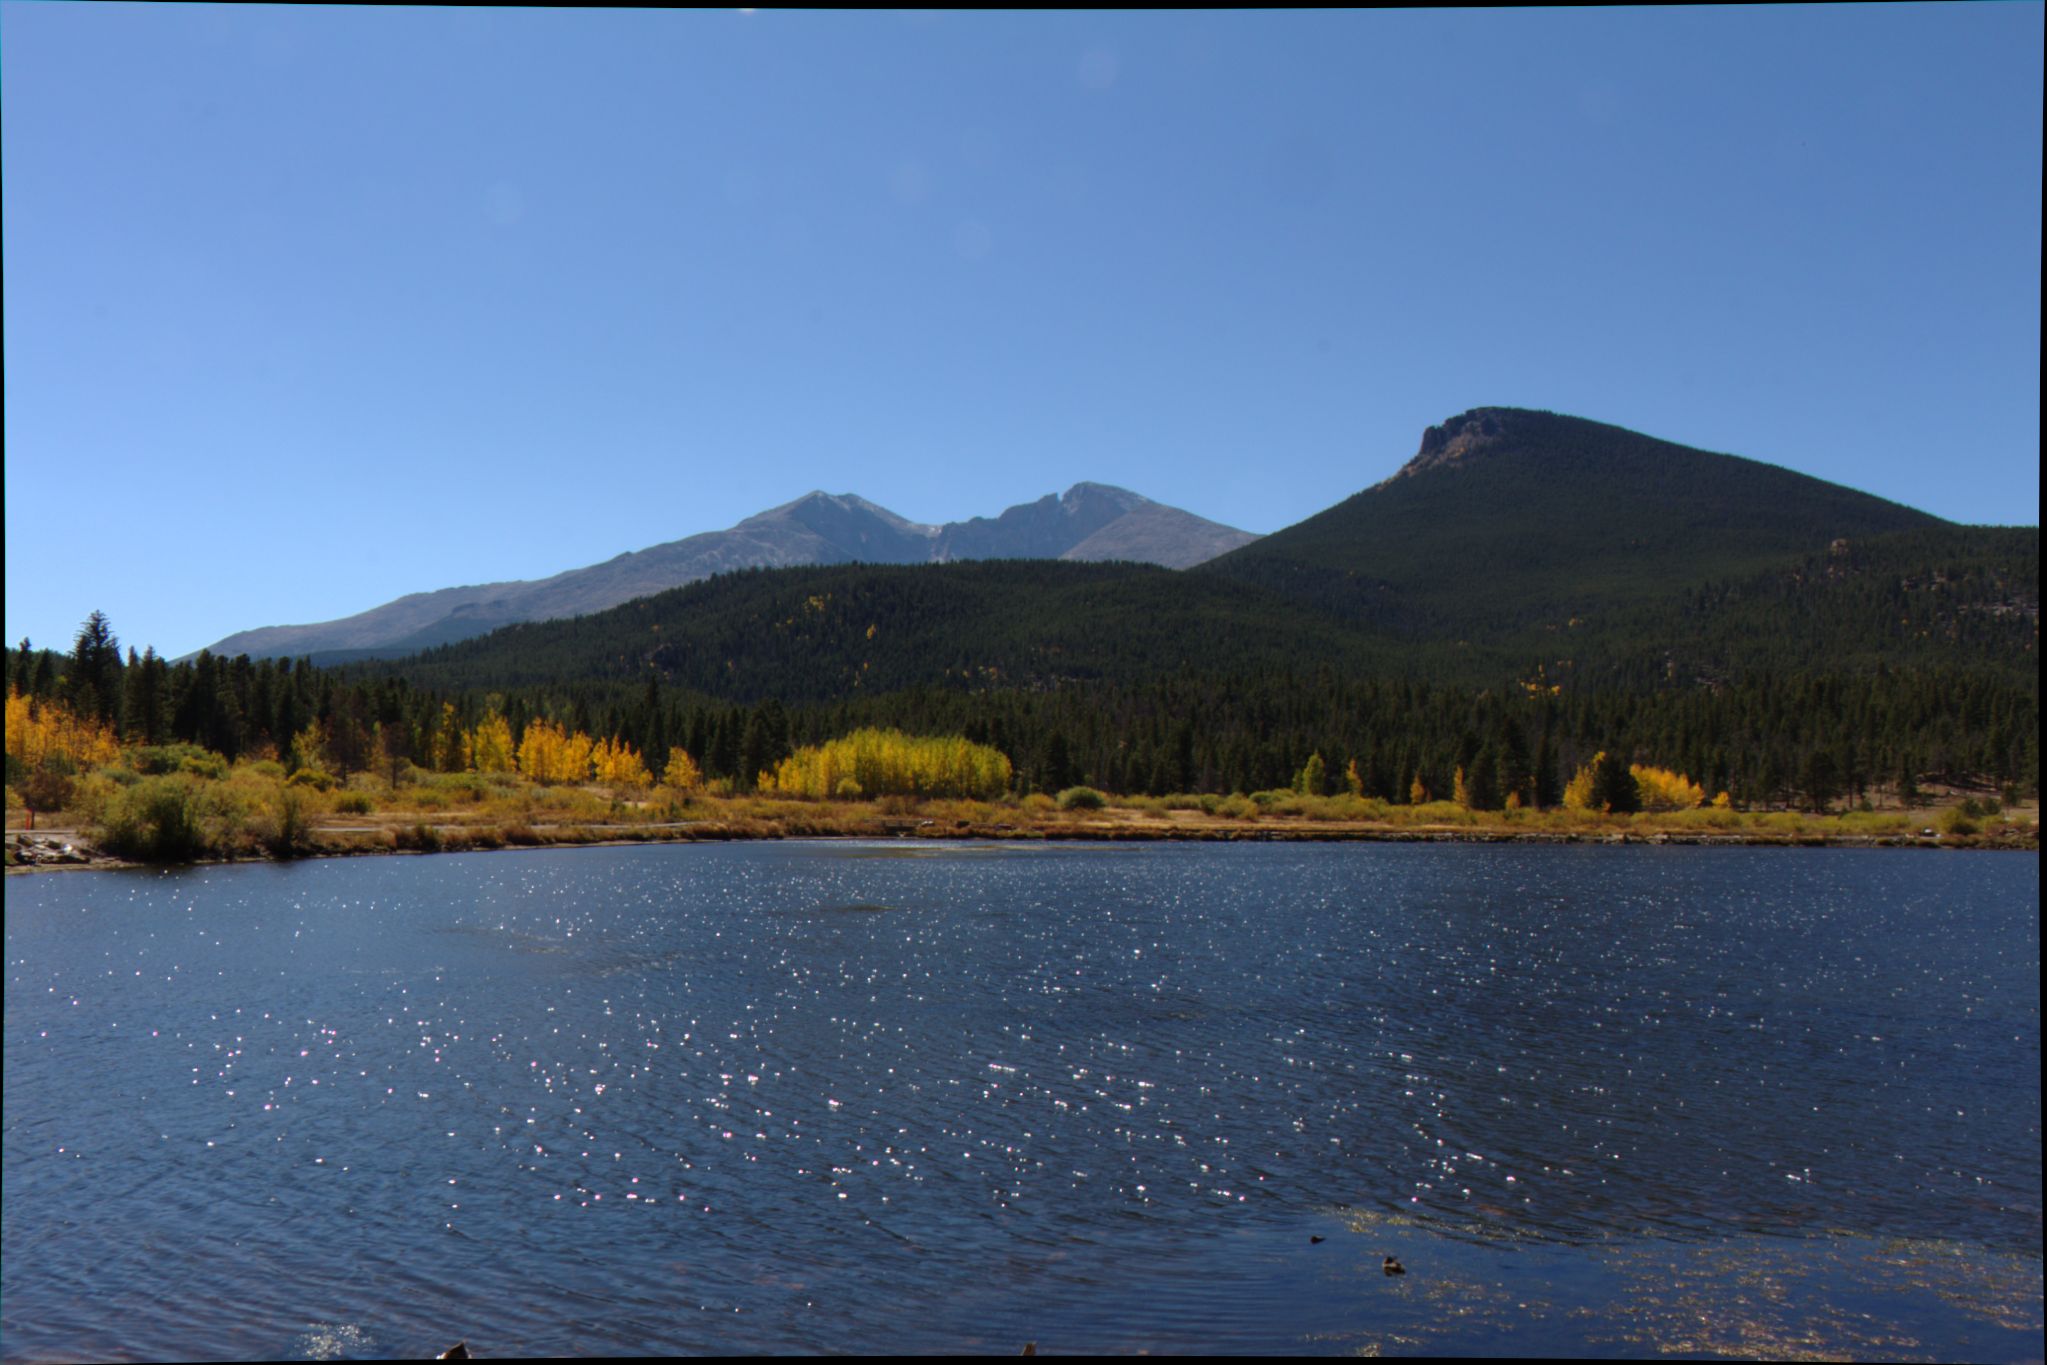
(1313, 1239)
(459, 1351)
(1394, 1267)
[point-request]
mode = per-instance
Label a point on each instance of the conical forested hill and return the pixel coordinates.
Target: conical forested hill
(1509, 519)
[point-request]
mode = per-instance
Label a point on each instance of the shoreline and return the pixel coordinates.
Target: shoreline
(62, 850)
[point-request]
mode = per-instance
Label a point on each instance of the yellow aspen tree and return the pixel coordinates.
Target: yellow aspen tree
(543, 754)
(550, 754)
(617, 764)
(490, 745)
(1578, 791)
(1417, 794)
(1662, 789)
(450, 745)
(1353, 780)
(309, 748)
(28, 734)
(889, 762)
(38, 732)
(682, 773)
(576, 751)
(22, 738)
(1460, 793)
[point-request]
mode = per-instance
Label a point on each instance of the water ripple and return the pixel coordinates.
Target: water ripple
(819, 1097)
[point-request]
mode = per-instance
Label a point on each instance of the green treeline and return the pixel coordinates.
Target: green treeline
(1807, 737)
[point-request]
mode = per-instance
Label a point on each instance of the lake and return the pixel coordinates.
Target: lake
(827, 1096)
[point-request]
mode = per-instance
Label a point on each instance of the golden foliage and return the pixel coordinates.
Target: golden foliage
(490, 745)
(549, 754)
(682, 773)
(1660, 788)
(1578, 791)
(889, 762)
(618, 764)
(1663, 789)
(450, 746)
(40, 731)
(309, 749)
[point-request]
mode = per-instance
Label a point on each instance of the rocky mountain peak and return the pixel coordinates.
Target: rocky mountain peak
(1083, 495)
(1459, 437)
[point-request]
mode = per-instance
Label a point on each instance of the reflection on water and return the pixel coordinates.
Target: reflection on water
(865, 1097)
(333, 1341)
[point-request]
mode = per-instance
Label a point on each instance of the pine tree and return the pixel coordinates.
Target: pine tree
(753, 752)
(1482, 786)
(1613, 786)
(1820, 778)
(1907, 783)
(1055, 772)
(1548, 780)
(1516, 776)
(94, 682)
(144, 707)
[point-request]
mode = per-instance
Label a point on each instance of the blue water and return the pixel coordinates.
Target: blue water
(867, 1097)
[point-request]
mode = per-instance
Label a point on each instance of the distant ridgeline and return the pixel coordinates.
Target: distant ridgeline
(1528, 590)
(1089, 522)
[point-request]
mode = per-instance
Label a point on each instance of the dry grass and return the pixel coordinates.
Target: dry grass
(250, 810)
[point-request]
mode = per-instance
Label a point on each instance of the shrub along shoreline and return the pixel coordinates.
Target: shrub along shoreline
(182, 818)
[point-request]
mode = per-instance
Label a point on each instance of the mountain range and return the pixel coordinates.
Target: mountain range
(1514, 546)
(1090, 521)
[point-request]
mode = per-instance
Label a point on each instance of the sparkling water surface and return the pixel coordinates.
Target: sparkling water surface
(830, 1096)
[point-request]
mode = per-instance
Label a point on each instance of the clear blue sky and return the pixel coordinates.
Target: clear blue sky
(308, 307)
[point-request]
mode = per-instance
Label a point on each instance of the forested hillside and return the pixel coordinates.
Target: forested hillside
(1943, 597)
(1509, 521)
(818, 634)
